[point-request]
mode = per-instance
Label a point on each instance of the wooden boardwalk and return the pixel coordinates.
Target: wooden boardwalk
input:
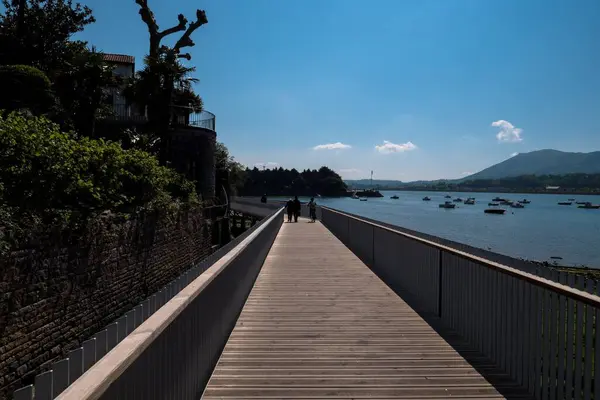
(319, 324)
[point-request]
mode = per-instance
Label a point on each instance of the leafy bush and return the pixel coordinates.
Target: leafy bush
(25, 87)
(56, 177)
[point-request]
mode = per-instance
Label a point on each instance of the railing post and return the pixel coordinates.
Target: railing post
(440, 280)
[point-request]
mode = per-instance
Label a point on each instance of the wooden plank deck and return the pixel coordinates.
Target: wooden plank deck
(319, 324)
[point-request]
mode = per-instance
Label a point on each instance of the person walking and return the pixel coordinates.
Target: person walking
(312, 209)
(290, 209)
(297, 208)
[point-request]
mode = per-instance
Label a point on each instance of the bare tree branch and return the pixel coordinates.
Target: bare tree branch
(177, 28)
(186, 40)
(148, 18)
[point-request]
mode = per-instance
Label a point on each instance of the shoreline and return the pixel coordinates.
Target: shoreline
(568, 192)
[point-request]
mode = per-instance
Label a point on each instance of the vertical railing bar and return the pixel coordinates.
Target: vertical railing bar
(512, 327)
(75, 364)
(589, 341)
(553, 339)
(60, 376)
(547, 305)
(489, 348)
(529, 341)
(597, 348)
(504, 323)
(25, 393)
(440, 280)
(571, 321)
(498, 319)
(580, 282)
(522, 322)
(539, 309)
(89, 353)
(481, 317)
(43, 386)
(560, 389)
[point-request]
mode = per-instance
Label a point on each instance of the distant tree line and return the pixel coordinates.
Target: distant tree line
(291, 182)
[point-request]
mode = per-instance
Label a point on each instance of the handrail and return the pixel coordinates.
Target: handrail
(96, 381)
(576, 294)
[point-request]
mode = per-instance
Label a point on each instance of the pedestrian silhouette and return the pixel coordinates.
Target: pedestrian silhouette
(290, 208)
(297, 208)
(312, 209)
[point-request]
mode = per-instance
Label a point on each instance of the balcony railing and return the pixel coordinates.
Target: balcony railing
(185, 116)
(181, 116)
(126, 112)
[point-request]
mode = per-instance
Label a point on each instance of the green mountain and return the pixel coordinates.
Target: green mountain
(542, 162)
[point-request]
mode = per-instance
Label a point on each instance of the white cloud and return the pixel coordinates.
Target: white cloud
(508, 132)
(332, 146)
(514, 154)
(388, 147)
(267, 165)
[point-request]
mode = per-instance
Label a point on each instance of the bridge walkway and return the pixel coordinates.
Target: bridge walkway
(319, 324)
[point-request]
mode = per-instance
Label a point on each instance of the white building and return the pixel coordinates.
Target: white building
(124, 67)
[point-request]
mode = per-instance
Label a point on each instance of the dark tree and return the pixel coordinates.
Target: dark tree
(165, 81)
(46, 43)
(79, 75)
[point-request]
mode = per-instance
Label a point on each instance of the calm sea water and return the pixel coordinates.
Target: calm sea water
(541, 230)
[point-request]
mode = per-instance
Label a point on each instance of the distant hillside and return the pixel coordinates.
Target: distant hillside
(542, 162)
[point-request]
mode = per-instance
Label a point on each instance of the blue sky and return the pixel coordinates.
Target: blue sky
(410, 89)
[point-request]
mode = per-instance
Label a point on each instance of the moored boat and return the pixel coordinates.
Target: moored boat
(395, 197)
(458, 200)
(497, 199)
(589, 206)
(426, 198)
(494, 211)
(363, 199)
(517, 205)
(493, 204)
(470, 201)
(565, 203)
(448, 204)
(525, 201)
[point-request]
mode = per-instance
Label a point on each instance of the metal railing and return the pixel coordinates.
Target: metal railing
(125, 112)
(186, 116)
(173, 353)
(542, 332)
(51, 384)
(182, 116)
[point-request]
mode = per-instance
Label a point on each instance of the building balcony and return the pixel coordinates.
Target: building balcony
(181, 116)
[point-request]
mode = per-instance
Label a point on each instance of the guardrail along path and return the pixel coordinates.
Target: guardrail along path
(319, 324)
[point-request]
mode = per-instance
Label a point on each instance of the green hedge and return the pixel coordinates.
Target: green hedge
(54, 175)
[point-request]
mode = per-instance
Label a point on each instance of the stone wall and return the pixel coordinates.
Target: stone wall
(63, 290)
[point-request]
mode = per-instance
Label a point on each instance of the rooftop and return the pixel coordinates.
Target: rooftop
(119, 58)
